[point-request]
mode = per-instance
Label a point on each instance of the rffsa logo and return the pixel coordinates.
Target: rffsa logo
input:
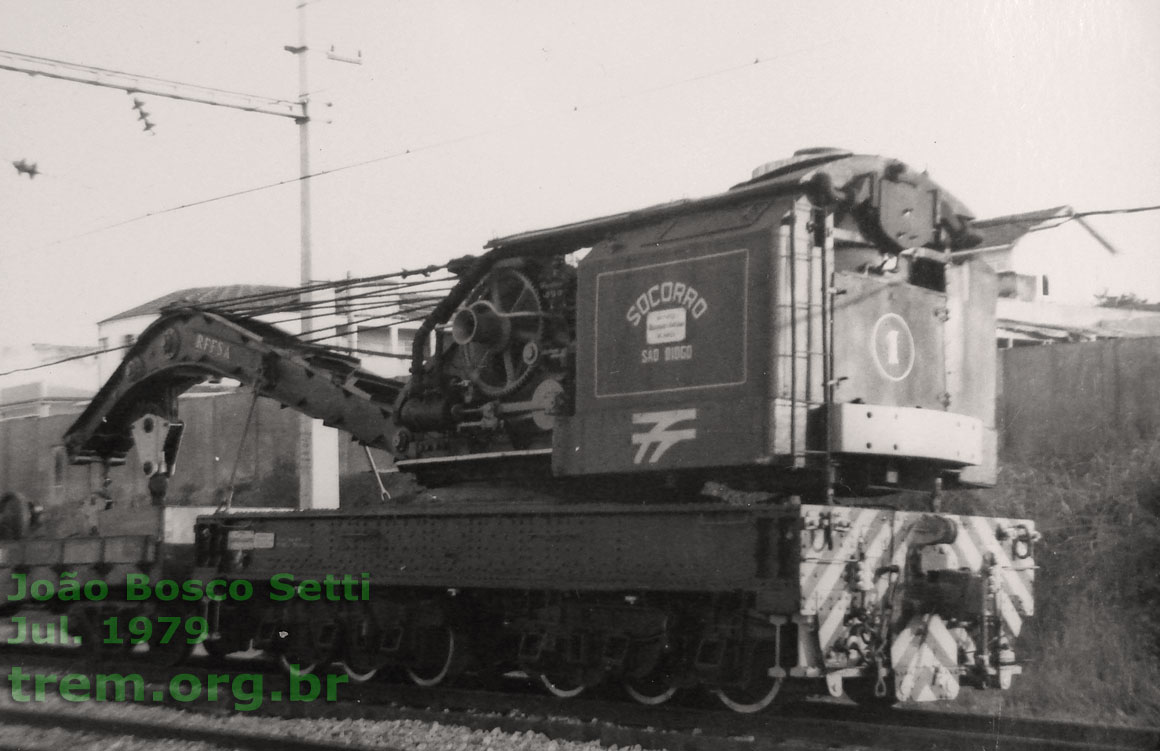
(663, 435)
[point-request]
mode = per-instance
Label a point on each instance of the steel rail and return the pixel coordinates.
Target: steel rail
(674, 727)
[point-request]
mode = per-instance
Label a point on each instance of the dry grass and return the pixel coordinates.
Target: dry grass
(1094, 645)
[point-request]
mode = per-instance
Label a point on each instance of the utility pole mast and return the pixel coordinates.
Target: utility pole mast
(303, 144)
(318, 445)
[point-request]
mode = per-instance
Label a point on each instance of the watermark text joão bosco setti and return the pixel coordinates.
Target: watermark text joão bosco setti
(138, 587)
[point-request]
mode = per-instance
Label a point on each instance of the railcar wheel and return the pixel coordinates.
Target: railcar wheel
(651, 690)
(358, 674)
(170, 654)
(562, 685)
(307, 640)
(296, 665)
(85, 625)
(232, 629)
(176, 649)
(437, 654)
(217, 648)
(758, 689)
(362, 657)
(168, 641)
(303, 659)
(753, 697)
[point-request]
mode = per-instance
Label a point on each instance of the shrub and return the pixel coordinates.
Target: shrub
(1093, 648)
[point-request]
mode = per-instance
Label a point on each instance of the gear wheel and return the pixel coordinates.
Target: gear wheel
(493, 328)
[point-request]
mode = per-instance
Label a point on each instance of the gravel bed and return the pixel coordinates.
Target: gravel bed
(35, 738)
(400, 735)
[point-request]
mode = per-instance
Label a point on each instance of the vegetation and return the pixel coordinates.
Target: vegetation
(1094, 644)
(1128, 300)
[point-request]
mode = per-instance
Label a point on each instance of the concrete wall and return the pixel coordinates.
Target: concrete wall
(32, 460)
(1073, 399)
(212, 444)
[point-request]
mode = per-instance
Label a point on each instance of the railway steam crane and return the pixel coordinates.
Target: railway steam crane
(668, 464)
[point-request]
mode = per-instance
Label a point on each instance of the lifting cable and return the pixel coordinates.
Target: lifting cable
(229, 499)
(384, 494)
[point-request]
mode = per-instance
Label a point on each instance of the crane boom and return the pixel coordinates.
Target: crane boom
(186, 346)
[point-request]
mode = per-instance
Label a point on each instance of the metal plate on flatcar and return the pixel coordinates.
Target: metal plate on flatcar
(672, 326)
(888, 343)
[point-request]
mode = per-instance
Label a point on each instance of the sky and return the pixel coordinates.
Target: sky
(469, 120)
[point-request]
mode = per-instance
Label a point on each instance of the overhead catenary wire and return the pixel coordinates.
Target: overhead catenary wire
(261, 305)
(576, 107)
(281, 301)
(62, 360)
(725, 70)
(247, 191)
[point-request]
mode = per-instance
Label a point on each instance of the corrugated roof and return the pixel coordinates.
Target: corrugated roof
(195, 296)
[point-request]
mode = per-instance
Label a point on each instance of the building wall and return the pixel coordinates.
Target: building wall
(80, 373)
(33, 459)
(1072, 400)
(1069, 264)
(394, 342)
(117, 333)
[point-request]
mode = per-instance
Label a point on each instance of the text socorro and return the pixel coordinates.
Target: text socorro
(138, 587)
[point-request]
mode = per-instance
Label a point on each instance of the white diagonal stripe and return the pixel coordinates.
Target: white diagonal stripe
(829, 627)
(1008, 613)
(836, 566)
(1011, 580)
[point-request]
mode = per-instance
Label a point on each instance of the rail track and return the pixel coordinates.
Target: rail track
(153, 731)
(517, 707)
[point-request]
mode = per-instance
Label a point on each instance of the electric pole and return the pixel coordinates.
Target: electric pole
(318, 446)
